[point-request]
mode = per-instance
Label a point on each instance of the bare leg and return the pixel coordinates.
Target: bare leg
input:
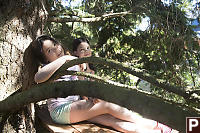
(85, 110)
(120, 125)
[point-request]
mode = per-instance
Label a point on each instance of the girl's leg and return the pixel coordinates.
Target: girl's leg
(120, 125)
(117, 124)
(84, 110)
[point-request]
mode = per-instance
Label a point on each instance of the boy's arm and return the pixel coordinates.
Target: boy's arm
(48, 70)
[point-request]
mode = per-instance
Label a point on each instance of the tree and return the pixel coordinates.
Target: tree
(21, 21)
(159, 50)
(162, 48)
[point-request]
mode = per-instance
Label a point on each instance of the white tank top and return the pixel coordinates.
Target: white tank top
(55, 102)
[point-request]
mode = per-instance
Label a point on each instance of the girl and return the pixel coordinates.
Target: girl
(71, 109)
(81, 48)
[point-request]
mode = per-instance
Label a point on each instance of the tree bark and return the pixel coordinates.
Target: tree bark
(20, 22)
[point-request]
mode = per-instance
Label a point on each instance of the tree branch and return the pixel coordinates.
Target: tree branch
(143, 103)
(88, 75)
(88, 20)
(138, 73)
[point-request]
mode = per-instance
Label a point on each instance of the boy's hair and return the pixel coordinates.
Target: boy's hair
(77, 41)
(37, 45)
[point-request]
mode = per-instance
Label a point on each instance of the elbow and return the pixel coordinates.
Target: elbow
(38, 78)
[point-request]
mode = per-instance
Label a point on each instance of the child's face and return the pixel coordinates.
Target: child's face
(52, 51)
(83, 50)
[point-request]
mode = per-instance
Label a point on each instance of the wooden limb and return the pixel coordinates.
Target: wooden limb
(172, 114)
(138, 73)
(88, 20)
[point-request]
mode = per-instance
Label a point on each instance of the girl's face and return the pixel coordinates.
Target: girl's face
(83, 50)
(52, 51)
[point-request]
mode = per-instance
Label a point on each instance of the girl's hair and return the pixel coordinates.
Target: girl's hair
(34, 57)
(75, 45)
(77, 42)
(37, 45)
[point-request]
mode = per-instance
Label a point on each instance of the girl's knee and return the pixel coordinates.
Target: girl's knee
(108, 107)
(82, 105)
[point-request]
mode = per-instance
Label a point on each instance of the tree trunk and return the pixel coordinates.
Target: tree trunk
(20, 22)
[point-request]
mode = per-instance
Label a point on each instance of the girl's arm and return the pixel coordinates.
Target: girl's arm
(48, 70)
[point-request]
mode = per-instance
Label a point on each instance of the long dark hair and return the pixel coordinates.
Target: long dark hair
(34, 57)
(37, 47)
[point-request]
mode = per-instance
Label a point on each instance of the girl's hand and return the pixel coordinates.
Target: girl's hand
(95, 100)
(85, 98)
(83, 67)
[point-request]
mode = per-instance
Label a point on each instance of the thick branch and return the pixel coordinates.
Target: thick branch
(117, 65)
(146, 105)
(88, 20)
(91, 76)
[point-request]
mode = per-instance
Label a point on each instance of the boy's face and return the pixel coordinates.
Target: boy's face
(83, 50)
(52, 51)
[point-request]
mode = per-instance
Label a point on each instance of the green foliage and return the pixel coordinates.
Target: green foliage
(167, 48)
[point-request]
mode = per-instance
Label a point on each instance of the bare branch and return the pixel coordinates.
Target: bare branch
(88, 20)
